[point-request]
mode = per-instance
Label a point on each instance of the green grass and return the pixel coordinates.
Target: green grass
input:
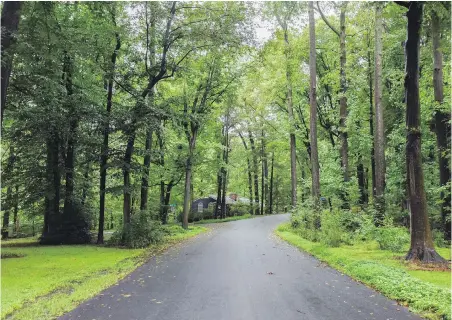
(425, 292)
(51, 280)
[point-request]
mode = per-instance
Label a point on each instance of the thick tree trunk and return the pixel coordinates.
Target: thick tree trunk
(315, 191)
(379, 136)
(104, 151)
(10, 24)
(293, 148)
(442, 126)
(421, 248)
(256, 177)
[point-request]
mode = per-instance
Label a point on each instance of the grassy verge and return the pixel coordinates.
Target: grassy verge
(426, 292)
(51, 280)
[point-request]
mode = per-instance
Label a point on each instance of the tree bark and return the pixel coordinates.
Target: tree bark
(104, 151)
(379, 136)
(10, 24)
(188, 172)
(256, 177)
(371, 121)
(250, 175)
(293, 149)
(442, 126)
(271, 186)
(422, 247)
(315, 190)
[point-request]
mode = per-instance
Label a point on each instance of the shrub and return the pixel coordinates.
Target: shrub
(392, 238)
(332, 230)
(438, 238)
(140, 233)
(239, 209)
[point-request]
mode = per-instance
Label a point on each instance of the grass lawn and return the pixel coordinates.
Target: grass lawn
(51, 280)
(427, 292)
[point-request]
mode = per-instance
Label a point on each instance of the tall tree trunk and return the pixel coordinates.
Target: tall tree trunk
(164, 216)
(271, 186)
(219, 187)
(250, 175)
(379, 136)
(104, 151)
(422, 247)
(162, 165)
(371, 120)
(127, 203)
(343, 112)
(53, 184)
(150, 33)
(442, 126)
(188, 172)
(256, 177)
(265, 174)
(225, 168)
(16, 209)
(313, 108)
(7, 205)
(10, 24)
(146, 166)
(293, 149)
(361, 181)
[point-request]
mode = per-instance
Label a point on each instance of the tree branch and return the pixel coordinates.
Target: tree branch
(327, 22)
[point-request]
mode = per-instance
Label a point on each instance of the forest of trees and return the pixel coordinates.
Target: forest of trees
(114, 111)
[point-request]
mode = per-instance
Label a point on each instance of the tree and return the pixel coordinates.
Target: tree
(10, 23)
(343, 135)
(422, 247)
(313, 108)
(379, 136)
(441, 124)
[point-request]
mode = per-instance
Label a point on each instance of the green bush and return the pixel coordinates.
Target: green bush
(438, 238)
(394, 239)
(140, 233)
(332, 230)
(239, 209)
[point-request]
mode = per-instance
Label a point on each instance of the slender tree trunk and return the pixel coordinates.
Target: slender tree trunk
(442, 126)
(371, 121)
(256, 177)
(271, 186)
(104, 151)
(263, 199)
(361, 181)
(10, 24)
(293, 149)
(16, 209)
(147, 158)
(162, 165)
(188, 172)
(53, 177)
(265, 173)
(6, 214)
(146, 166)
(422, 247)
(313, 109)
(343, 112)
(164, 216)
(218, 200)
(127, 203)
(250, 175)
(379, 136)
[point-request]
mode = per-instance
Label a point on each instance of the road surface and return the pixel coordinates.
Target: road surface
(238, 270)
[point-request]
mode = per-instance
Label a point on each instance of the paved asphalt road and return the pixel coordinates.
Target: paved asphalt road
(239, 270)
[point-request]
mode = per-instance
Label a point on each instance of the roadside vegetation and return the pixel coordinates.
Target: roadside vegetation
(350, 242)
(43, 282)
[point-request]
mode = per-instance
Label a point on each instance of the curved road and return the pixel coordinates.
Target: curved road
(238, 270)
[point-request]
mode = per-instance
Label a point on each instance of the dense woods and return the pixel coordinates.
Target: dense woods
(117, 115)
